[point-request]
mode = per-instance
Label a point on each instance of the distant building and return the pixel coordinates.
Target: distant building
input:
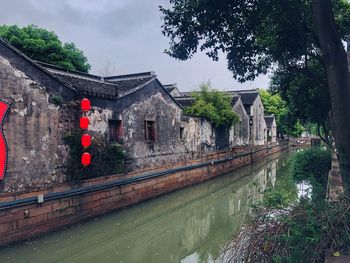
(239, 133)
(253, 105)
(173, 90)
(271, 128)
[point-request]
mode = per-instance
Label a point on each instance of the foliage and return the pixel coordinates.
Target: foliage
(214, 105)
(284, 191)
(306, 95)
(258, 36)
(286, 231)
(274, 104)
(313, 165)
(42, 45)
(255, 35)
(107, 159)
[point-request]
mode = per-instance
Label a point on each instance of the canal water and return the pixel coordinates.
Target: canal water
(189, 225)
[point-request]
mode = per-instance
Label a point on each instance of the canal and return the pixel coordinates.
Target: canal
(189, 225)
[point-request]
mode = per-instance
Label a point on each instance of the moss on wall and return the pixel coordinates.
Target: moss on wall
(106, 159)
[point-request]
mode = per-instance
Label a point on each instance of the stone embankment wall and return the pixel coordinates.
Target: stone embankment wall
(24, 215)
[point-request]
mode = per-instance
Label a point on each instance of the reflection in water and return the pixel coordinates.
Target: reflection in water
(190, 225)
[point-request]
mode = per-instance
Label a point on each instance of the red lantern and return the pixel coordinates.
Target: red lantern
(86, 159)
(86, 140)
(84, 123)
(85, 104)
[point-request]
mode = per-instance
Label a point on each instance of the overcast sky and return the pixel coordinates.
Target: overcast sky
(124, 34)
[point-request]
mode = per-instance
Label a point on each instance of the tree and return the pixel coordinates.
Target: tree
(287, 123)
(214, 105)
(307, 97)
(260, 35)
(42, 45)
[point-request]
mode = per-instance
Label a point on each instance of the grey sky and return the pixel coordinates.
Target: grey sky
(125, 34)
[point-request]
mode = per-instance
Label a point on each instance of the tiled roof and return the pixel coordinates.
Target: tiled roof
(234, 100)
(185, 101)
(170, 87)
(187, 98)
(108, 87)
(88, 86)
(269, 120)
(128, 85)
(248, 96)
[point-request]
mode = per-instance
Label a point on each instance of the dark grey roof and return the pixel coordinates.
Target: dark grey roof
(188, 93)
(170, 87)
(128, 85)
(87, 85)
(269, 120)
(130, 76)
(105, 87)
(248, 96)
(234, 100)
(185, 101)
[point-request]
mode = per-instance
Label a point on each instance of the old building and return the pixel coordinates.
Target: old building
(271, 128)
(134, 110)
(239, 132)
(226, 137)
(255, 109)
(144, 118)
(173, 90)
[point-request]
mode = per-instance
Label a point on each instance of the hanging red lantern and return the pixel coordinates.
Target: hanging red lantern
(85, 104)
(86, 140)
(86, 159)
(84, 123)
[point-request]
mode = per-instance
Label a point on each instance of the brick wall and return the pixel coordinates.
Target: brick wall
(25, 221)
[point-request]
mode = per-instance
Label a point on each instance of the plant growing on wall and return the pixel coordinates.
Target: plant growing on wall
(108, 159)
(214, 105)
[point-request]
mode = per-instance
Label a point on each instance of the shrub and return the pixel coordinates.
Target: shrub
(302, 231)
(214, 105)
(312, 165)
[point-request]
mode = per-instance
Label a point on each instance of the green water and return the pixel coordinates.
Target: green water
(189, 225)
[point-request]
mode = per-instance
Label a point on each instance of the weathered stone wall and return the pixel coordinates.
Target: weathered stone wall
(274, 131)
(30, 219)
(258, 131)
(153, 103)
(33, 126)
(239, 132)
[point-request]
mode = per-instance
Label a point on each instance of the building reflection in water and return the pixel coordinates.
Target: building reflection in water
(190, 225)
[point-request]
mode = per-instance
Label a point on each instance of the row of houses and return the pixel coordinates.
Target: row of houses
(134, 110)
(254, 127)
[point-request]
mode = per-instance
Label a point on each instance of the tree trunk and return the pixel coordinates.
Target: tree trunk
(335, 57)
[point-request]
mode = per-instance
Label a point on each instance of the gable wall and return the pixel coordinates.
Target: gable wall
(239, 132)
(33, 126)
(152, 102)
(258, 131)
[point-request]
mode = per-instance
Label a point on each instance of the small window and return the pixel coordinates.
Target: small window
(150, 131)
(115, 130)
(182, 133)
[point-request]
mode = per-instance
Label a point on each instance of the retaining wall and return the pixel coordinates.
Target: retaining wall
(24, 215)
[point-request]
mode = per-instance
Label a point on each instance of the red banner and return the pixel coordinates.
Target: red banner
(4, 107)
